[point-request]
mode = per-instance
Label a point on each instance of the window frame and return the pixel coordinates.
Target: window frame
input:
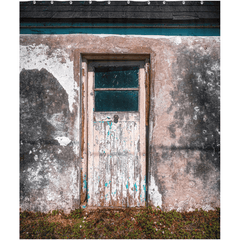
(96, 63)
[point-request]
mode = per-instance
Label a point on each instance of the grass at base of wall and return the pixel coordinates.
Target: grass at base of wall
(132, 223)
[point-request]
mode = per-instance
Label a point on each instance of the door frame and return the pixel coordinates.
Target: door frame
(83, 67)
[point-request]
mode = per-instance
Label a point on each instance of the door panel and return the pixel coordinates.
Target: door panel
(116, 135)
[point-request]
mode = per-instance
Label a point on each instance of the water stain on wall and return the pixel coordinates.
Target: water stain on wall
(184, 127)
(193, 162)
(48, 177)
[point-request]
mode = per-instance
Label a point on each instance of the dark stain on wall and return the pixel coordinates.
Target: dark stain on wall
(44, 115)
(172, 130)
(196, 96)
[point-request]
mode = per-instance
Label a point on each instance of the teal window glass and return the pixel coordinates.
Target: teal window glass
(116, 100)
(116, 77)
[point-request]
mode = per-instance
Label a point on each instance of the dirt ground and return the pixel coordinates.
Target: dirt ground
(134, 223)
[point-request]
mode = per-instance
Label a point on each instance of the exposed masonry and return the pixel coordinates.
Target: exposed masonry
(184, 121)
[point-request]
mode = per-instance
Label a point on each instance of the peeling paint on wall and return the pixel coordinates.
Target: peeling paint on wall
(184, 126)
(56, 61)
(48, 177)
(63, 141)
(154, 194)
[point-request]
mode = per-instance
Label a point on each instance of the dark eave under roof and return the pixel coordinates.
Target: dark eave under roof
(82, 11)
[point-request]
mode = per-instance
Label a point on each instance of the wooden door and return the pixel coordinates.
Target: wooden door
(116, 134)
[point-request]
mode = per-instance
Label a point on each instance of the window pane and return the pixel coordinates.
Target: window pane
(116, 77)
(116, 100)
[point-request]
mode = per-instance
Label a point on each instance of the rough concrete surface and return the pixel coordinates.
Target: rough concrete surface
(184, 121)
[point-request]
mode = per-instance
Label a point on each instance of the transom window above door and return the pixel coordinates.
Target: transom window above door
(116, 88)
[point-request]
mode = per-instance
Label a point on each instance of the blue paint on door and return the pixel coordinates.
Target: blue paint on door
(135, 187)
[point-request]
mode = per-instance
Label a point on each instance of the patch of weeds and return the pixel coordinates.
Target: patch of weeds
(131, 223)
(76, 214)
(117, 214)
(55, 212)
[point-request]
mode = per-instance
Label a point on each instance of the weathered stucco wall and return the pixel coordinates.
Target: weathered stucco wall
(184, 130)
